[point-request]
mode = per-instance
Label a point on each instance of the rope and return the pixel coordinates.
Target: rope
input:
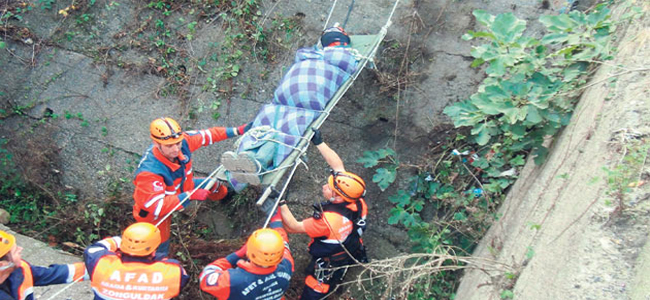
(330, 15)
(284, 188)
(65, 288)
(347, 17)
(203, 183)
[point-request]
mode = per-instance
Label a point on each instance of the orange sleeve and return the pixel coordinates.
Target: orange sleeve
(206, 137)
(316, 227)
(80, 272)
(150, 195)
(216, 280)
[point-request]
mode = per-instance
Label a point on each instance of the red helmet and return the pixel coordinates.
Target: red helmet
(347, 185)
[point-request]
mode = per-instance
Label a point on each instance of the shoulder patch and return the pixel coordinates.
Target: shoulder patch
(212, 279)
(158, 186)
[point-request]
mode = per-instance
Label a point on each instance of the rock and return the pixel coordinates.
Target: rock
(4, 217)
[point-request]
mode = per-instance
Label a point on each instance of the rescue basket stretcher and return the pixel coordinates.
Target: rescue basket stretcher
(279, 150)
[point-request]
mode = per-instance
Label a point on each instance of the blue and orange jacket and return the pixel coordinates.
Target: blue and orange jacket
(20, 283)
(233, 278)
(114, 275)
(338, 223)
(161, 184)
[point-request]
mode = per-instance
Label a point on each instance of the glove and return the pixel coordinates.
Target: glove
(244, 128)
(200, 195)
(317, 139)
(241, 253)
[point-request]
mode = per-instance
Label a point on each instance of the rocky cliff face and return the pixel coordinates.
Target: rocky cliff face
(567, 227)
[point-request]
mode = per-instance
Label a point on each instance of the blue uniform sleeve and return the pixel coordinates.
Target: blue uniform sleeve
(96, 251)
(54, 274)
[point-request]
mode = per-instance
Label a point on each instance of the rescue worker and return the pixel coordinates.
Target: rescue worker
(126, 267)
(261, 269)
(335, 227)
(165, 177)
(18, 277)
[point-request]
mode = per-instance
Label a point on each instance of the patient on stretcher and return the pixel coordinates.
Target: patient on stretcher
(301, 97)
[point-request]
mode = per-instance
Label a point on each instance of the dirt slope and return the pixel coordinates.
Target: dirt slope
(561, 226)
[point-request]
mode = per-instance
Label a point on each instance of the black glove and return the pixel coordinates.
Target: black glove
(317, 139)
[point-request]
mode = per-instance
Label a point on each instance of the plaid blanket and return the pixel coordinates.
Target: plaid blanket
(300, 98)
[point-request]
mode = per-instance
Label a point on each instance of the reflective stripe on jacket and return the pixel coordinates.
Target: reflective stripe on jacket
(161, 184)
(230, 278)
(20, 283)
(340, 219)
(116, 276)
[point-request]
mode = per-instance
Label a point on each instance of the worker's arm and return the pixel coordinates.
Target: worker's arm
(56, 274)
(330, 156)
(215, 277)
(277, 225)
(97, 250)
(202, 138)
(289, 221)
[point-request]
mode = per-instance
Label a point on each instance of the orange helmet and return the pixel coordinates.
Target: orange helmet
(7, 242)
(347, 185)
(140, 239)
(166, 131)
(265, 247)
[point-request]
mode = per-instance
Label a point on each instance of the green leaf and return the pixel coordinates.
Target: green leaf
(477, 62)
(555, 38)
(507, 28)
(395, 215)
(540, 155)
(518, 160)
(483, 138)
(530, 252)
(533, 116)
(558, 23)
(483, 17)
(418, 205)
(459, 216)
(401, 199)
(2, 45)
(383, 153)
(372, 158)
(477, 34)
(384, 177)
(369, 159)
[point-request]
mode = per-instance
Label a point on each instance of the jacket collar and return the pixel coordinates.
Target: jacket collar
(172, 165)
(255, 269)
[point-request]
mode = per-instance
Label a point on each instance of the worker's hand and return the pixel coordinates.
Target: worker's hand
(241, 253)
(317, 139)
(200, 195)
(244, 128)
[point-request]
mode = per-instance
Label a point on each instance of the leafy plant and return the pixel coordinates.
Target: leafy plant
(622, 178)
(531, 85)
(385, 175)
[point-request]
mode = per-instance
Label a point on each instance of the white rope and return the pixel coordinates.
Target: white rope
(65, 288)
(330, 15)
(203, 183)
(284, 188)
